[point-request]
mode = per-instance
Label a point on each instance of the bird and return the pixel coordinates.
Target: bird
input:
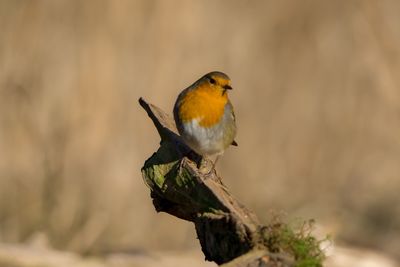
(204, 116)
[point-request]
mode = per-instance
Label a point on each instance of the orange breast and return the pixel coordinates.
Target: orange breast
(204, 103)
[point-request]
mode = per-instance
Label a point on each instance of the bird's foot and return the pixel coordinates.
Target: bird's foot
(207, 168)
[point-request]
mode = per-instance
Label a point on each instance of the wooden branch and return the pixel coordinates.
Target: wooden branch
(226, 229)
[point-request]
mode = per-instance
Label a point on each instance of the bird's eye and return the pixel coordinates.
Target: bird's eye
(212, 81)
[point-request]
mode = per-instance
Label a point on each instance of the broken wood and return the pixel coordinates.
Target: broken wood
(229, 233)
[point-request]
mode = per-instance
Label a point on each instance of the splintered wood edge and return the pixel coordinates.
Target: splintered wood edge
(160, 119)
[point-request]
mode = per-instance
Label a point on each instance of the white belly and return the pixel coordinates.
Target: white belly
(204, 141)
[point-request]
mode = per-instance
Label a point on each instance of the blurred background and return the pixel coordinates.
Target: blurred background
(316, 94)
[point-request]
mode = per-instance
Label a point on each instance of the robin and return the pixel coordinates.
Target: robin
(204, 115)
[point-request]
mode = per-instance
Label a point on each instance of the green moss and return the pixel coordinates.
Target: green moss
(157, 168)
(295, 240)
(184, 179)
(155, 175)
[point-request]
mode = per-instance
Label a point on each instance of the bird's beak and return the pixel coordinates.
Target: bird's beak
(227, 87)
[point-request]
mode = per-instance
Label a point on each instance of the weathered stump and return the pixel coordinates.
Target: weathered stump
(229, 233)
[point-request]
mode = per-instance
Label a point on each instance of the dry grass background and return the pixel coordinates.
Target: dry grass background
(316, 92)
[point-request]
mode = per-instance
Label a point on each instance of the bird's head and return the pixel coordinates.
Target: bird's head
(216, 81)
